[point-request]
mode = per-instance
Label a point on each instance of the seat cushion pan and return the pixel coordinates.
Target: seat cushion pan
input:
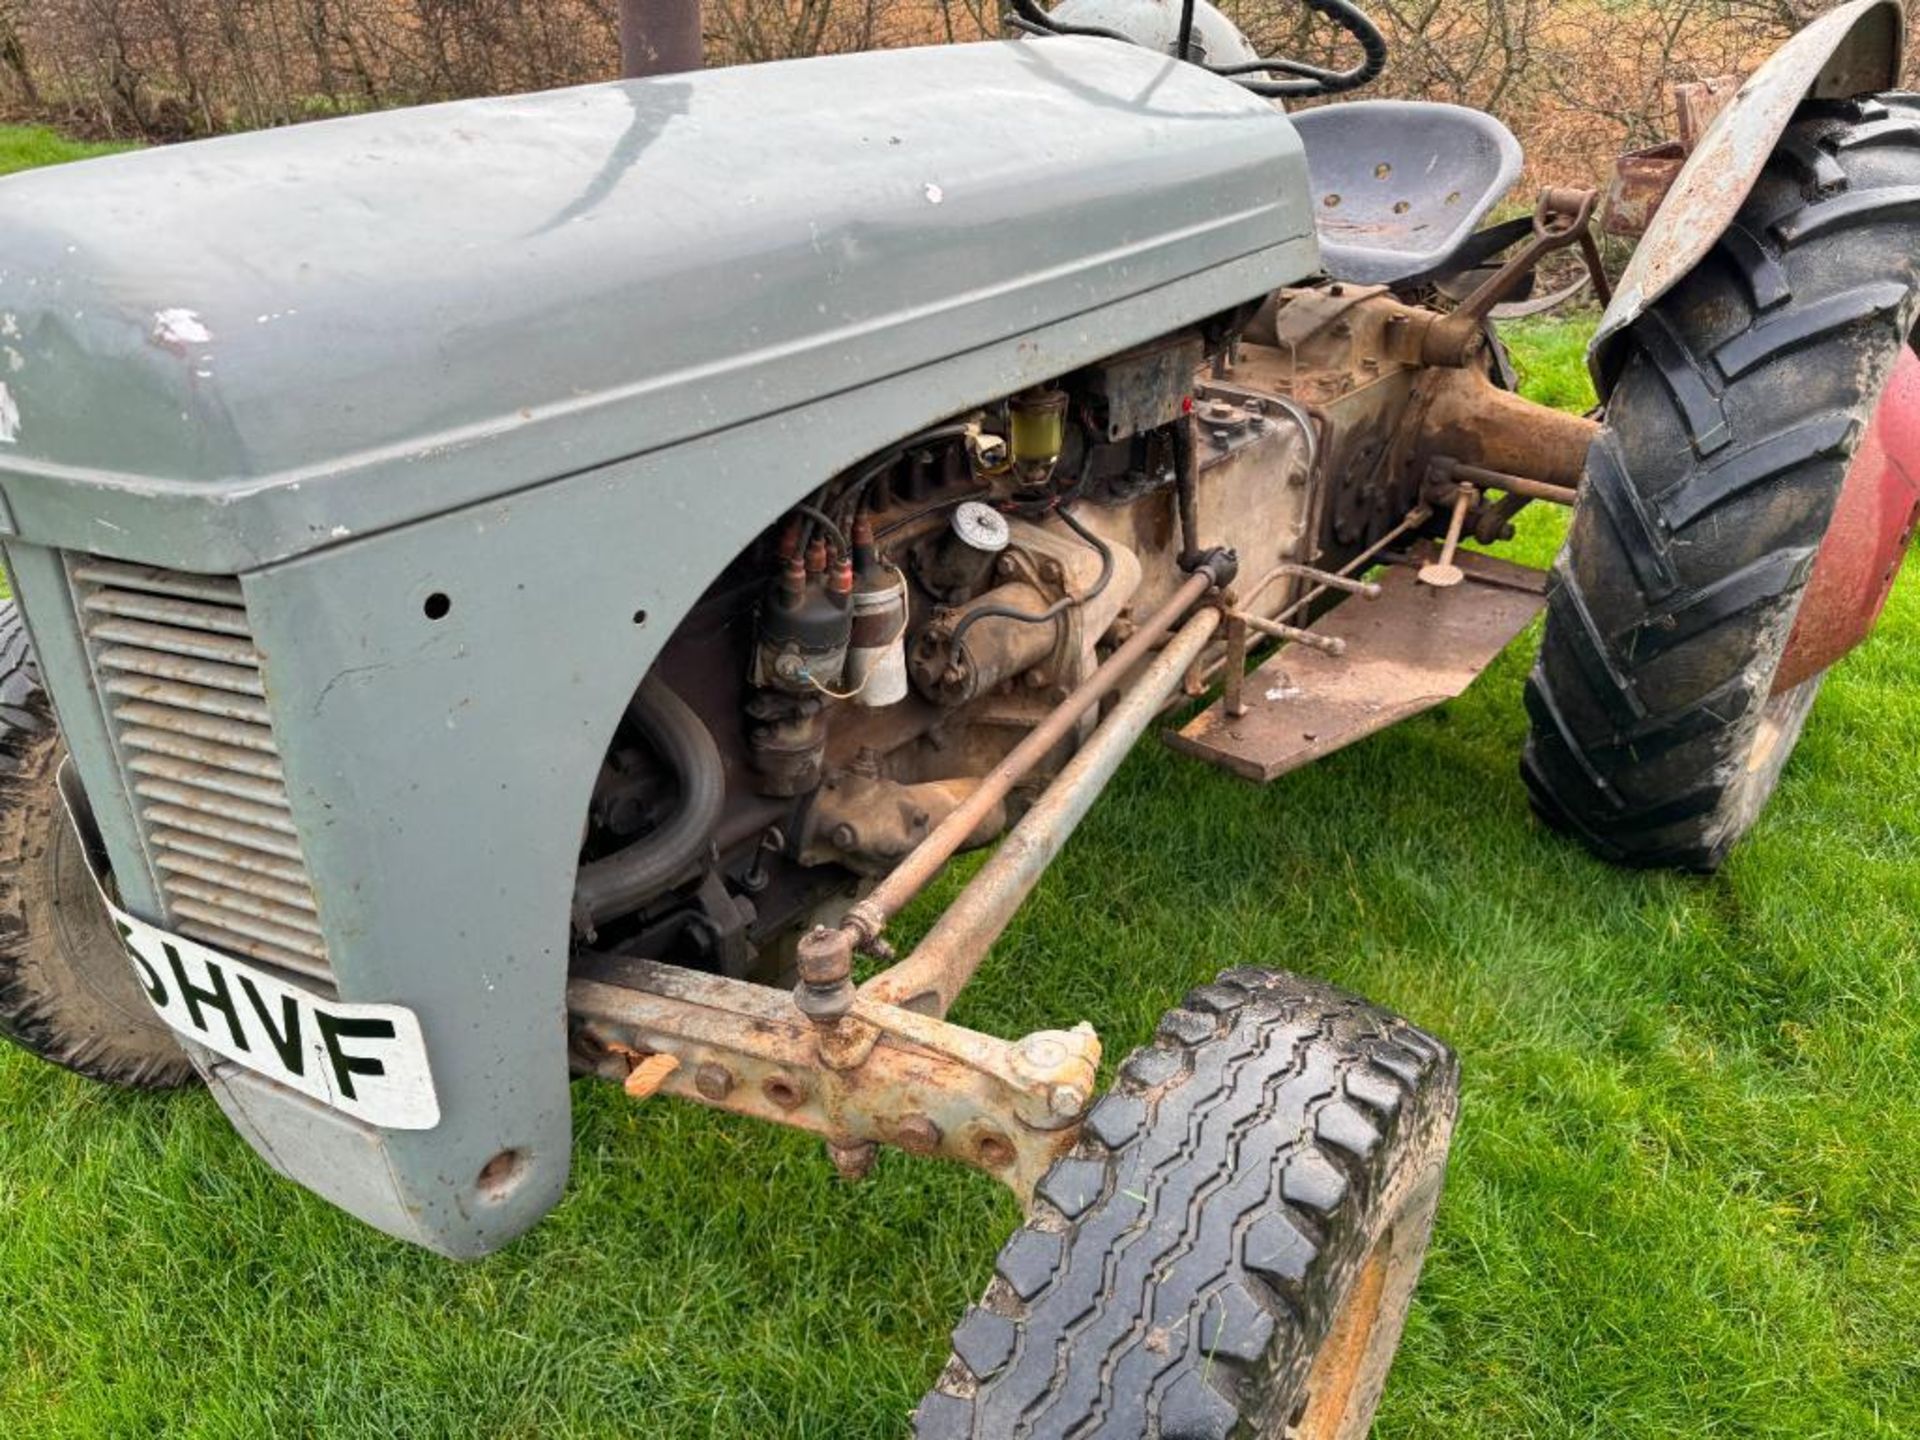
(1400, 185)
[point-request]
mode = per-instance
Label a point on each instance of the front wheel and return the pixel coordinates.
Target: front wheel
(67, 992)
(1746, 507)
(1230, 1251)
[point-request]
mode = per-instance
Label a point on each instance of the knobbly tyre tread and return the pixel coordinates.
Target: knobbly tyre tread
(81, 1010)
(1744, 395)
(1181, 1264)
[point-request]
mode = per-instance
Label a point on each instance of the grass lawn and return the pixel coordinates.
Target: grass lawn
(1685, 1194)
(24, 146)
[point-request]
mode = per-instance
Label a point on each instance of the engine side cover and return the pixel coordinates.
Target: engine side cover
(430, 307)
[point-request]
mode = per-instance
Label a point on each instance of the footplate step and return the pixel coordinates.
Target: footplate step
(1408, 651)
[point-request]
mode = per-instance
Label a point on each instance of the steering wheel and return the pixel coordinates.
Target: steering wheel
(1306, 79)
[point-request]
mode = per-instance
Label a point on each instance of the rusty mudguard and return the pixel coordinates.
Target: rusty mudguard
(1853, 50)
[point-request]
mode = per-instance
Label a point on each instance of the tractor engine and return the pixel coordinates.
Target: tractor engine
(895, 634)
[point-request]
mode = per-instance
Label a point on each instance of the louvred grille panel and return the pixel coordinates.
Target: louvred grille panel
(180, 678)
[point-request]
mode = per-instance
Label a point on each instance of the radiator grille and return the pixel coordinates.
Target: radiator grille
(180, 678)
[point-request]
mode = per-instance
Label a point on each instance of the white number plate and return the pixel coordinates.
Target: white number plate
(368, 1061)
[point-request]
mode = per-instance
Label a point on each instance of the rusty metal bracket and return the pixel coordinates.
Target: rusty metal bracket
(1328, 579)
(922, 1085)
(1642, 178)
(1562, 218)
(1491, 522)
(1448, 473)
(1236, 663)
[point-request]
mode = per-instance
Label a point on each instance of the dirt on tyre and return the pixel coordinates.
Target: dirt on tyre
(1704, 568)
(67, 992)
(1231, 1249)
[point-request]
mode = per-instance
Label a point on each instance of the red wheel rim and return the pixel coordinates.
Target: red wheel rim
(1873, 523)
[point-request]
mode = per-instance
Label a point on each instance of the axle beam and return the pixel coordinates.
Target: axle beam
(1008, 1108)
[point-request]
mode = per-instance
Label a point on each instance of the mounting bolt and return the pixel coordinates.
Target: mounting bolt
(714, 1082)
(917, 1135)
(854, 1161)
(1056, 1072)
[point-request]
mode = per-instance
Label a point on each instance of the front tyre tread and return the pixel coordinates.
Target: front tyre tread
(1182, 1263)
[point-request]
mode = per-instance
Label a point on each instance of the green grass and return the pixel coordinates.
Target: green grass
(22, 147)
(1551, 356)
(1682, 1202)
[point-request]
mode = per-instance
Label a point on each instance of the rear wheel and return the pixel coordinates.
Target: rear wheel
(1745, 508)
(1232, 1248)
(67, 992)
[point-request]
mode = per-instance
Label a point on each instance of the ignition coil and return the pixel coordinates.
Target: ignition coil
(876, 669)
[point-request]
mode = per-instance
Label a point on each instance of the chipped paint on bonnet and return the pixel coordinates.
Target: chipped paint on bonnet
(179, 328)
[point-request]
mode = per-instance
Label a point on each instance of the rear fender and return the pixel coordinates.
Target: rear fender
(1852, 50)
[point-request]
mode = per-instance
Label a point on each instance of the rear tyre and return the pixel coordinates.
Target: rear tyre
(67, 992)
(1661, 713)
(1231, 1249)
